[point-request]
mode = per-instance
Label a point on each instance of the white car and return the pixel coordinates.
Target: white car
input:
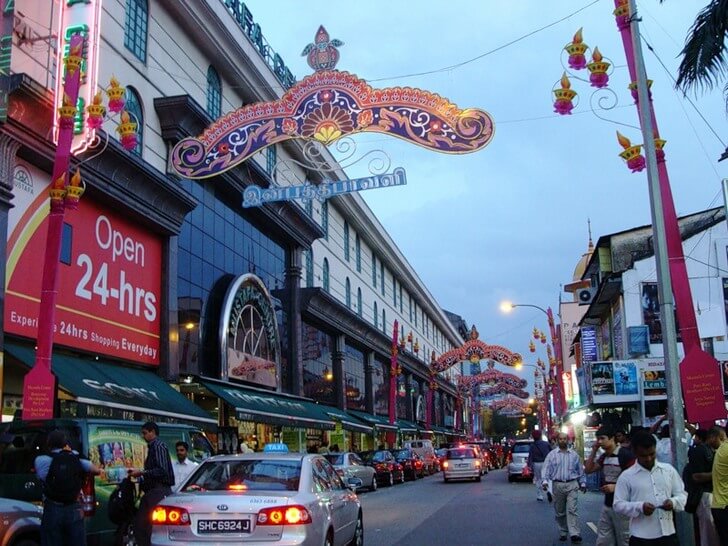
(259, 499)
(355, 473)
(461, 463)
(518, 458)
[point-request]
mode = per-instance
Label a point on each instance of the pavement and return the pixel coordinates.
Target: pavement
(493, 512)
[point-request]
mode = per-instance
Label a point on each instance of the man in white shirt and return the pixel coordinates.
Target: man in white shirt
(182, 467)
(648, 493)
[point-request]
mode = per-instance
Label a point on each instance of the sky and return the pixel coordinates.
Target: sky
(509, 222)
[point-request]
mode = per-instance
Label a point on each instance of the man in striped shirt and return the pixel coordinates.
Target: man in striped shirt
(563, 467)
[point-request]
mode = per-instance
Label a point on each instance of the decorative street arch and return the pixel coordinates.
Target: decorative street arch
(326, 106)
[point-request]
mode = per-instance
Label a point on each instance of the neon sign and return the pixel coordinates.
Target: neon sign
(80, 17)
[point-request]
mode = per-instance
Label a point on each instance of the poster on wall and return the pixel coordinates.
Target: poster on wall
(605, 338)
(602, 378)
(625, 378)
(588, 344)
(651, 313)
(617, 333)
(110, 275)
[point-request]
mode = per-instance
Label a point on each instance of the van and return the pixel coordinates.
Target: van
(426, 451)
(111, 445)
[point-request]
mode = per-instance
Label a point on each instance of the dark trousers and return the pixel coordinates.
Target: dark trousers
(62, 525)
(662, 541)
(720, 519)
(143, 521)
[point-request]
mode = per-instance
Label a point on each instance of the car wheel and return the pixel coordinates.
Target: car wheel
(373, 487)
(479, 478)
(511, 478)
(390, 482)
(402, 478)
(125, 535)
(329, 539)
(445, 480)
(358, 539)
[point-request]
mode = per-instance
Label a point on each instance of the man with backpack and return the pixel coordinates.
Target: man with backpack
(536, 456)
(613, 528)
(62, 472)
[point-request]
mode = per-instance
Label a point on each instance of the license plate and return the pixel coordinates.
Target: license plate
(222, 526)
(463, 465)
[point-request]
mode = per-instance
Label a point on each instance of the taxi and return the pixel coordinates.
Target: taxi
(261, 498)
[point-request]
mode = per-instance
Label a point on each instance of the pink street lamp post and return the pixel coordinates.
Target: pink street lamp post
(394, 372)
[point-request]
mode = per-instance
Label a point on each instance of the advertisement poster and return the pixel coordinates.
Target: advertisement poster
(617, 333)
(588, 344)
(602, 378)
(114, 450)
(571, 314)
(651, 313)
(109, 275)
(605, 337)
(625, 378)
(655, 383)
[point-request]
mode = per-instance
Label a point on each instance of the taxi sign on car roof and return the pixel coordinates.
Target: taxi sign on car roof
(275, 448)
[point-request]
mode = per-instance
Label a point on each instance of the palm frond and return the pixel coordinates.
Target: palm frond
(704, 64)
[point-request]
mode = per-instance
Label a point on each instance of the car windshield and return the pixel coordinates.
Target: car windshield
(335, 458)
(373, 456)
(462, 453)
(400, 454)
(520, 448)
(248, 474)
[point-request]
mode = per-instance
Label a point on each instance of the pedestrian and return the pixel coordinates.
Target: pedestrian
(335, 448)
(157, 480)
(536, 456)
(613, 528)
(719, 478)
(182, 467)
(700, 460)
(648, 493)
(621, 438)
(323, 448)
(243, 446)
(62, 473)
(563, 467)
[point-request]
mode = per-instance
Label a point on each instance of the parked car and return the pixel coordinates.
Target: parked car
(518, 458)
(388, 470)
(426, 452)
(353, 470)
(462, 463)
(482, 455)
(289, 498)
(412, 465)
(19, 523)
(441, 454)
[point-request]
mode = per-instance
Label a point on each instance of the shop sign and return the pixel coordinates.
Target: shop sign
(602, 377)
(568, 391)
(249, 333)
(109, 276)
(7, 19)
(288, 407)
(618, 380)
(654, 382)
(589, 344)
(120, 391)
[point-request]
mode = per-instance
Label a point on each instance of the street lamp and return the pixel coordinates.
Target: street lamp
(508, 306)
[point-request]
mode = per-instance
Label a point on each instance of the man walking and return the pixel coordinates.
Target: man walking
(62, 473)
(648, 493)
(563, 467)
(157, 479)
(719, 478)
(182, 467)
(700, 458)
(613, 528)
(536, 456)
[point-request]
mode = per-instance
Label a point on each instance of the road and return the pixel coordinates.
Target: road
(492, 512)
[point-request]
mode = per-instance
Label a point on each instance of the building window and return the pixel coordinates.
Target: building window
(384, 321)
(325, 281)
(309, 207)
(357, 251)
(415, 315)
(400, 298)
(325, 219)
(214, 93)
(376, 315)
(394, 292)
(358, 301)
(318, 381)
(381, 269)
(410, 308)
(348, 293)
(346, 240)
(308, 254)
(270, 159)
(135, 29)
(374, 270)
(134, 107)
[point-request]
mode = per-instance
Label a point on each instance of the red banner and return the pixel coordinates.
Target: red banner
(109, 279)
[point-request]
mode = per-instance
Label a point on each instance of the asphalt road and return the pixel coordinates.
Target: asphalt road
(493, 512)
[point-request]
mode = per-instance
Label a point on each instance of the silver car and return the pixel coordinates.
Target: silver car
(19, 523)
(259, 498)
(518, 458)
(353, 470)
(461, 463)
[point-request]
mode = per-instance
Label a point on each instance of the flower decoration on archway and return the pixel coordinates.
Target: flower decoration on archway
(474, 350)
(492, 378)
(326, 106)
(509, 405)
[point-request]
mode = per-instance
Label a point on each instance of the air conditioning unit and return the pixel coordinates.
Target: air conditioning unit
(585, 295)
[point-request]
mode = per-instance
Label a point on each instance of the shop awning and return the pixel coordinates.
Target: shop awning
(375, 420)
(271, 407)
(408, 426)
(348, 421)
(103, 383)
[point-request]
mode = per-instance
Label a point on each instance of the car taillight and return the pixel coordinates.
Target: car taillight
(477, 463)
(340, 472)
(284, 515)
(445, 464)
(88, 496)
(170, 515)
(381, 468)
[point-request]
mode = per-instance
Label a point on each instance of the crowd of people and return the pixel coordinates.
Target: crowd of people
(642, 490)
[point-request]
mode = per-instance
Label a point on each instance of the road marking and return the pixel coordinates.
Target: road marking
(592, 527)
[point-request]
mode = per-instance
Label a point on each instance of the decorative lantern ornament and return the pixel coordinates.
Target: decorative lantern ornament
(401, 390)
(417, 345)
(96, 112)
(631, 154)
(116, 93)
(563, 104)
(536, 333)
(74, 191)
(409, 337)
(127, 131)
(598, 70)
(531, 347)
(633, 90)
(543, 338)
(58, 190)
(659, 145)
(576, 50)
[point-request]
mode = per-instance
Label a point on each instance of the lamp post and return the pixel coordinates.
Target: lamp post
(394, 372)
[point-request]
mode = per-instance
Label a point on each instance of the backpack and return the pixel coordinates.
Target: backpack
(121, 502)
(65, 478)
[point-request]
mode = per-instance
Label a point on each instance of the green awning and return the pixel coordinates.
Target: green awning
(271, 407)
(102, 383)
(408, 426)
(348, 421)
(375, 420)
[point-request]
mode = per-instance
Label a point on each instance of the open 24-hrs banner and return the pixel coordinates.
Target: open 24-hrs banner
(109, 278)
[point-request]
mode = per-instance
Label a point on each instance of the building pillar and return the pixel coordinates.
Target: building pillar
(408, 384)
(169, 348)
(294, 355)
(369, 364)
(337, 364)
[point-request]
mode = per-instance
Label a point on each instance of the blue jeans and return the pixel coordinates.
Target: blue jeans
(62, 525)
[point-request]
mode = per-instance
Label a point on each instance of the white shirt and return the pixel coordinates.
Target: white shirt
(563, 466)
(637, 485)
(182, 470)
